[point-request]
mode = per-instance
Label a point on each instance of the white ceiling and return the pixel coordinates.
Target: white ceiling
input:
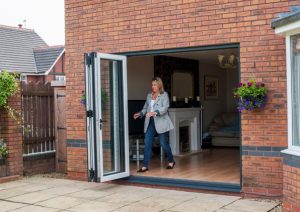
(207, 56)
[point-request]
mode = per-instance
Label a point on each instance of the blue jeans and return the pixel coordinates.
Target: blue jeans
(163, 139)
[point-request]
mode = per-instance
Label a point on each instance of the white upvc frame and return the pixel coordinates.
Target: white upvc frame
(288, 31)
(98, 116)
(90, 120)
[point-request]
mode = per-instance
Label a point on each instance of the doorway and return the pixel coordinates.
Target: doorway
(215, 165)
(218, 159)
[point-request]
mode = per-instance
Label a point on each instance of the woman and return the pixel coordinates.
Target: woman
(156, 121)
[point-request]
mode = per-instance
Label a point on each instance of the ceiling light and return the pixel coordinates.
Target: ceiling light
(229, 62)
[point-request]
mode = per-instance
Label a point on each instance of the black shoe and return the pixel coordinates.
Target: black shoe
(171, 167)
(144, 169)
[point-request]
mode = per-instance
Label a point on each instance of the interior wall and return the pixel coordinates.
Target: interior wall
(140, 71)
(212, 107)
(232, 82)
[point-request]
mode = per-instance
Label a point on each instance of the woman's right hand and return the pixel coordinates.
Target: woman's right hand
(136, 115)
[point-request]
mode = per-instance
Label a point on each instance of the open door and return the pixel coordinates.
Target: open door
(107, 118)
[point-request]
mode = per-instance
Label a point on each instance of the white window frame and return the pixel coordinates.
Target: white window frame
(59, 77)
(288, 31)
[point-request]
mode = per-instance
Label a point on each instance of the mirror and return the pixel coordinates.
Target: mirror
(182, 84)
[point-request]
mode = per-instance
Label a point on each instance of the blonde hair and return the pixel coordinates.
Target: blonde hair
(160, 84)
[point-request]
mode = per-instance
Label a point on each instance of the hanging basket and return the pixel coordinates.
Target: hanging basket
(251, 96)
(251, 103)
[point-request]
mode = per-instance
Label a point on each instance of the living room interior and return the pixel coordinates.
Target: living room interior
(206, 138)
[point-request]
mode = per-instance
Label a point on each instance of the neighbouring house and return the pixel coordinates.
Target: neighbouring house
(201, 50)
(25, 52)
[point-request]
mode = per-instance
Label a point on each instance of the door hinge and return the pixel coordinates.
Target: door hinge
(60, 95)
(91, 175)
(88, 59)
(90, 113)
(61, 128)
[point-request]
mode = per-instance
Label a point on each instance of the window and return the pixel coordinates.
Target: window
(60, 78)
(295, 89)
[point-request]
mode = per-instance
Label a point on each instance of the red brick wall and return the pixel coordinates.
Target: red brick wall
(120, 26)
(77, 162)
(35, 79)
(291, 183)
(57, 69)
(39, 165)
(11, 131)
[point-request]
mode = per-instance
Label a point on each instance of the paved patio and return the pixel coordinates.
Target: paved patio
(50, 194)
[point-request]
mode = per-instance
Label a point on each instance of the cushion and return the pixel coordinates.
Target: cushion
(230, 118)
(224, 134)
(219, 121)
(223, 141)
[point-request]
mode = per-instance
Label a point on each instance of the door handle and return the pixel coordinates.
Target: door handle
(100, 122)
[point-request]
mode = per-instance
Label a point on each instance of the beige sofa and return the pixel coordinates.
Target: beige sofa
(225, 130)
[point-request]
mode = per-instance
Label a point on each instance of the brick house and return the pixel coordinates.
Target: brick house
(288, 26)
(25, 52)
(143, 37)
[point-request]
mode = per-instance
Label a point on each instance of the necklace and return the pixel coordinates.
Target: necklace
(154, 96)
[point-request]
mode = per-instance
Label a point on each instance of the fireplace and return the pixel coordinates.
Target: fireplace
(191, 139)
(184, 139)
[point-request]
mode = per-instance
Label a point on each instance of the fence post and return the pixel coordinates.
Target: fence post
(11, 132)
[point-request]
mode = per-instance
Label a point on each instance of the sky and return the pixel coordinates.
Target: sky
(46, 17)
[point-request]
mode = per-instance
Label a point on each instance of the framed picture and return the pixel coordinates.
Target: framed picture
(211, 88)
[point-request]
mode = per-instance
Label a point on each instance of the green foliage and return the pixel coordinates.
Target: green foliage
(8, 87)
(3, 150)
(251, 95)
(104, 98)
(252, 89)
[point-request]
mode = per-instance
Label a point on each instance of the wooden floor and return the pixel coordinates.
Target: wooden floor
(216, 164)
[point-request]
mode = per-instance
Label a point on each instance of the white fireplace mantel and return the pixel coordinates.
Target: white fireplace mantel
(185, 117)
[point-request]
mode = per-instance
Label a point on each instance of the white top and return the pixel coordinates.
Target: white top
(152, 105)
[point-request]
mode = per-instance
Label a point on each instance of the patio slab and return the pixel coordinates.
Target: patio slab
(205, 202)
(50, 194)
(249, 205)
(6, 206)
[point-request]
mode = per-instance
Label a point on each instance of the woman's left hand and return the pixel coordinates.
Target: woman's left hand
(150, 114)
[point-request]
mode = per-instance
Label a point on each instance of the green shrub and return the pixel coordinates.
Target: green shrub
(8, 86)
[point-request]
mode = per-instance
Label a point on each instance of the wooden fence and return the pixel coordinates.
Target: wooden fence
(38, 115)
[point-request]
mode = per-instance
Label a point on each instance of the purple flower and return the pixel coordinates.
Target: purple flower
(240, 84)
(249, 84)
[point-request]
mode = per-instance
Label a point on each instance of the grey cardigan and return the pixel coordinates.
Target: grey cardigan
(162, 120)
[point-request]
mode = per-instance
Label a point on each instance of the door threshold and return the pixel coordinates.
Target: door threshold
(188, 184)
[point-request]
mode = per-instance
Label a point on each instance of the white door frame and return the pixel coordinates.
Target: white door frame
(93, 103)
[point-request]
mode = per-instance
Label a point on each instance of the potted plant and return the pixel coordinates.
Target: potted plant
(104, 98)
(251, 95)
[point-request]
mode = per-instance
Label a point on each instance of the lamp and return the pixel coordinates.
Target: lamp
(228, 63)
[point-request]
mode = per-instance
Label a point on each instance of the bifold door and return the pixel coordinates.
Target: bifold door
(107, 118)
